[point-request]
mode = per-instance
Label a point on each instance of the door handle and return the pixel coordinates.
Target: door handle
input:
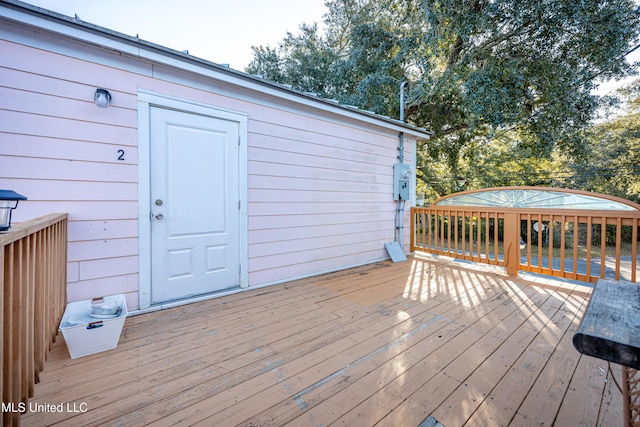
(159, 215)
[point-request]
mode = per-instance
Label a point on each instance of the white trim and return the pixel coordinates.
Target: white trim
(168, 101)
(243, 189)
(147, 99)
(144, 213)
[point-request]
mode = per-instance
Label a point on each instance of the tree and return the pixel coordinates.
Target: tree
(476, 67)
(612, 165)
(367, 48)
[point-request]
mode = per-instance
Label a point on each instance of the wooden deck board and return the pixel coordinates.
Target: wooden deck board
(543, 400)
(514, 387)
(385, 344)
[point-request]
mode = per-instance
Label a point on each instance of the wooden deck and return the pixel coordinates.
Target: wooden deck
(385, 344)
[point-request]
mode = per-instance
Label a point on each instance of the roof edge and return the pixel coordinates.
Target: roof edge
(418, 132)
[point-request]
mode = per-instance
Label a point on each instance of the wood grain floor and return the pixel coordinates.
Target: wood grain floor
(384, 344)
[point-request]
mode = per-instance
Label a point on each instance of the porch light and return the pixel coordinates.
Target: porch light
(8, 202)
(102, 98)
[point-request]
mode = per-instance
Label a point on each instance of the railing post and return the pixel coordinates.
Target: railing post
(511, 243)
(412, 240)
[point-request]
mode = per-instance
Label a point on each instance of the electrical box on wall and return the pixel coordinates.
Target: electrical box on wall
(401, 181)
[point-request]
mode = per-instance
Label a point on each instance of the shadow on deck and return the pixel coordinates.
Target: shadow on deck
(384, 344)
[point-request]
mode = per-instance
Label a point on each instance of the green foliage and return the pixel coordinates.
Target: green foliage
(520, 65)
(360, 58)
(613, 163)
(508, 160)
(478, 68)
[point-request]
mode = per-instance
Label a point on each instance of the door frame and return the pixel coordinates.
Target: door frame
(146, 100)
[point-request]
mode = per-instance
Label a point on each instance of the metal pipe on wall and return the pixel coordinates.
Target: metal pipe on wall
(399, 229)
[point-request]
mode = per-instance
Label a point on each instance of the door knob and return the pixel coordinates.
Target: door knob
(159, 216)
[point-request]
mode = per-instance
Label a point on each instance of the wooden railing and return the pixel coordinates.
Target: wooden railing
(469, 235)
(581, 245)
(33, 257)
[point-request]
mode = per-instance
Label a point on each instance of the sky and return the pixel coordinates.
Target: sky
(220, 31)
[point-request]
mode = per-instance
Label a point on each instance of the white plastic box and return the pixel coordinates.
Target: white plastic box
(87, 334)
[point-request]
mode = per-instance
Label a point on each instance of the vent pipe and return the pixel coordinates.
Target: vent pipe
(403, 85)
(400, 208)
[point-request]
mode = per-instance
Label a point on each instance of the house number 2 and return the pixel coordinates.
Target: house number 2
(121, 155)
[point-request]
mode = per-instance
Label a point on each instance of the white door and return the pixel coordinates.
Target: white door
(194, 204)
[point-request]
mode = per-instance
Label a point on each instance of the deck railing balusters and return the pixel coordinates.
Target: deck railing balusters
(570, 258)
(33, 260)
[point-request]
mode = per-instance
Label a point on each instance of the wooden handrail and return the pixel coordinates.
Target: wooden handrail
(33, 258)
(19, 230)
(471, 233)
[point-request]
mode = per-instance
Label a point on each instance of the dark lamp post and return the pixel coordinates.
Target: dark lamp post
(8, 202)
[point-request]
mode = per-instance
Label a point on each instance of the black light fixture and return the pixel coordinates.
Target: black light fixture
(8, 202)
(102, 98)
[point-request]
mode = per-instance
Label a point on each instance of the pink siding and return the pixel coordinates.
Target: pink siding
(333, 187)
(319, 184)
(61, 152)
